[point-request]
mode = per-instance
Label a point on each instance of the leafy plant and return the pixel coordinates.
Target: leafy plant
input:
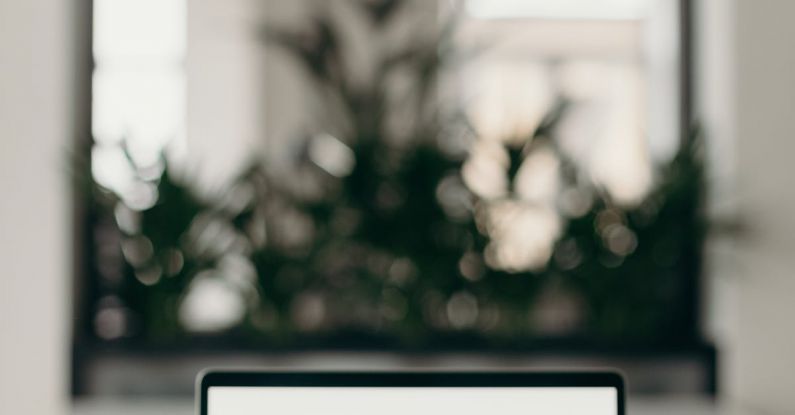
(373, 234)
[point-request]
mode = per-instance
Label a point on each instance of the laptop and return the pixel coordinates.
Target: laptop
(409, 393)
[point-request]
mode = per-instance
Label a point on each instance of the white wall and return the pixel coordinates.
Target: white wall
(36, 56)
(765, 344)
(715, 57)
(747, 76)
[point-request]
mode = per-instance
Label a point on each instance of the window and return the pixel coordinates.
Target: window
(138, 91)
(397, 197)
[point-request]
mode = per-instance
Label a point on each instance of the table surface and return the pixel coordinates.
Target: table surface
(635, 406)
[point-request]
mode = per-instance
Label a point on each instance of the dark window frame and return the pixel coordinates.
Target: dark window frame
(86, 348)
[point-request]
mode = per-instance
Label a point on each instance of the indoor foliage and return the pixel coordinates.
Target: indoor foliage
(374, 238)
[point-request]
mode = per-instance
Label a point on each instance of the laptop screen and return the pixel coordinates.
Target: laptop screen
(332, 400)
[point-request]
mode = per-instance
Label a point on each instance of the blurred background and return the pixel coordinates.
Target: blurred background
(387, 184)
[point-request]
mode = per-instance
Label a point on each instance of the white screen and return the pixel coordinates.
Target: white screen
(412, 401)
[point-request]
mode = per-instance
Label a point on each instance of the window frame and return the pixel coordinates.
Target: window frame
(86, 349)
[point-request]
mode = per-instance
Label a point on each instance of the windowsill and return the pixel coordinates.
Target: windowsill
(657, 372)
